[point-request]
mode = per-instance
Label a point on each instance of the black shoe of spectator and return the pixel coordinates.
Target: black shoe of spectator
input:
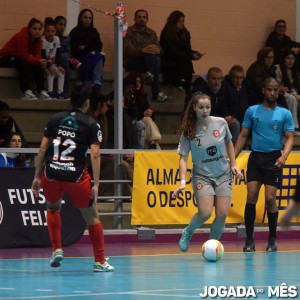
(249, 246)
(272, 245)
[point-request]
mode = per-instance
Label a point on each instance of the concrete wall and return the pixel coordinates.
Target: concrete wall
(230, 31)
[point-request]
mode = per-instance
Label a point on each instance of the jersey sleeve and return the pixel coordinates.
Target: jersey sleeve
(95, 134)
(228, 135)
(289, 123)
(247, 122)
(184, 146)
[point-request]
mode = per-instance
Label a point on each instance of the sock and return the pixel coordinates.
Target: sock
(195, 223)
(217, 228)
(249, 216)
(272, 220)
(54, 229)
(97, 237)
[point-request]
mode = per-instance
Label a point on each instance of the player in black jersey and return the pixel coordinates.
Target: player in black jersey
(61, 168)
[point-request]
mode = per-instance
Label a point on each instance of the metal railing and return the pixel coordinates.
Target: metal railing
(118, 212)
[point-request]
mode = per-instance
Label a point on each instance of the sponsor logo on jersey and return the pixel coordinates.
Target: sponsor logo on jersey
(199, 186)
(211, 151)
(69, 122)
(216, 133)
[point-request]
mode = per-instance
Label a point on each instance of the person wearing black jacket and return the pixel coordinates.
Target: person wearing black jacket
(86, 46)
(280, 42)
(175, 40)
(237, 100)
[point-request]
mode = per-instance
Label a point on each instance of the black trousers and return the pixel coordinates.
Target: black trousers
(24, 70)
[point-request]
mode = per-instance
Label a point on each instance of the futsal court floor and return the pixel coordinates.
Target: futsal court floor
(149, 270)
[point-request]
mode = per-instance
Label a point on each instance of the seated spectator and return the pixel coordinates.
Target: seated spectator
(131, 109)
(280, 42)
(86, 46)
(23, 52)
(256, 74)
(287, 75)
(66, 59)
(145, 112)
(237, 100)
(129, 142)
(175, 40)
(8, 125)
(12, 160)
(142, 52)
(51, 52)
(212, 85)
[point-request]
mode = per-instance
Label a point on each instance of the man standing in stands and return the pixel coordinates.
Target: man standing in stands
(142, 52)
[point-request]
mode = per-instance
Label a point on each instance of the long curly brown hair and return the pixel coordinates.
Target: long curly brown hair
(188, 124)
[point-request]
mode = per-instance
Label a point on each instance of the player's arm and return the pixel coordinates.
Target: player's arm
(39, 162)
(231, 155)
(95, 161)
(288, 146)
(182, 173)
(241, 141)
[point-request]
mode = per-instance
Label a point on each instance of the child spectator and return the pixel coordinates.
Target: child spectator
(51, 52)
(66, 59)
(23, 52)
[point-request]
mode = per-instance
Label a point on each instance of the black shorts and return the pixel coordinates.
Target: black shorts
(261, 167)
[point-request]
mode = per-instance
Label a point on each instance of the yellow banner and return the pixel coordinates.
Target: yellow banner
(156, 176)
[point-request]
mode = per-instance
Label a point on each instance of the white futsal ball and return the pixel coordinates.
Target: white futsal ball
(212, 250)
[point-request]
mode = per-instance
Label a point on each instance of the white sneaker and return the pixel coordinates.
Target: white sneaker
(29, 95)
(105, 267)
(162, 97)
(44, 95)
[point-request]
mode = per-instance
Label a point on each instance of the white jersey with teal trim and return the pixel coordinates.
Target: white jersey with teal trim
(208, 148)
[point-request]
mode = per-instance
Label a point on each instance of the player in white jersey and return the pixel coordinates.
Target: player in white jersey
(209, 141)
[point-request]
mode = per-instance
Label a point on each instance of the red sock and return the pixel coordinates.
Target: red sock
(54, 228)
(97, 237)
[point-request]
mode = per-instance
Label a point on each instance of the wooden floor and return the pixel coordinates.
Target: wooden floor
(147, 271)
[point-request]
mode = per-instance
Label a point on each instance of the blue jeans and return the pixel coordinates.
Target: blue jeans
(139, 128)
(143, 64)
(92, 68)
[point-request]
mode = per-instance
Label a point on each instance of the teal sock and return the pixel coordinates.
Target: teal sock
(195, 223)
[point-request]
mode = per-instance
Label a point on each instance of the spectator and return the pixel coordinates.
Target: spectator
(212, 85)
(129, 142)
(8, 125)
(288, 76)
(51, 52)
(237, 100)
(86, 46)
(23, 52)
(256, 74)
(66, 59)
(145, 112)
(280, 42)
(131, 109)
(12, 160)
(175, 40)
(142, 52)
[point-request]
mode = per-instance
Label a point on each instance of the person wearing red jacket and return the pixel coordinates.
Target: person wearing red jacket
(23, 52)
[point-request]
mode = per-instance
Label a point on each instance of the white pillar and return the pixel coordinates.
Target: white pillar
(72, 15)
(297, 20)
